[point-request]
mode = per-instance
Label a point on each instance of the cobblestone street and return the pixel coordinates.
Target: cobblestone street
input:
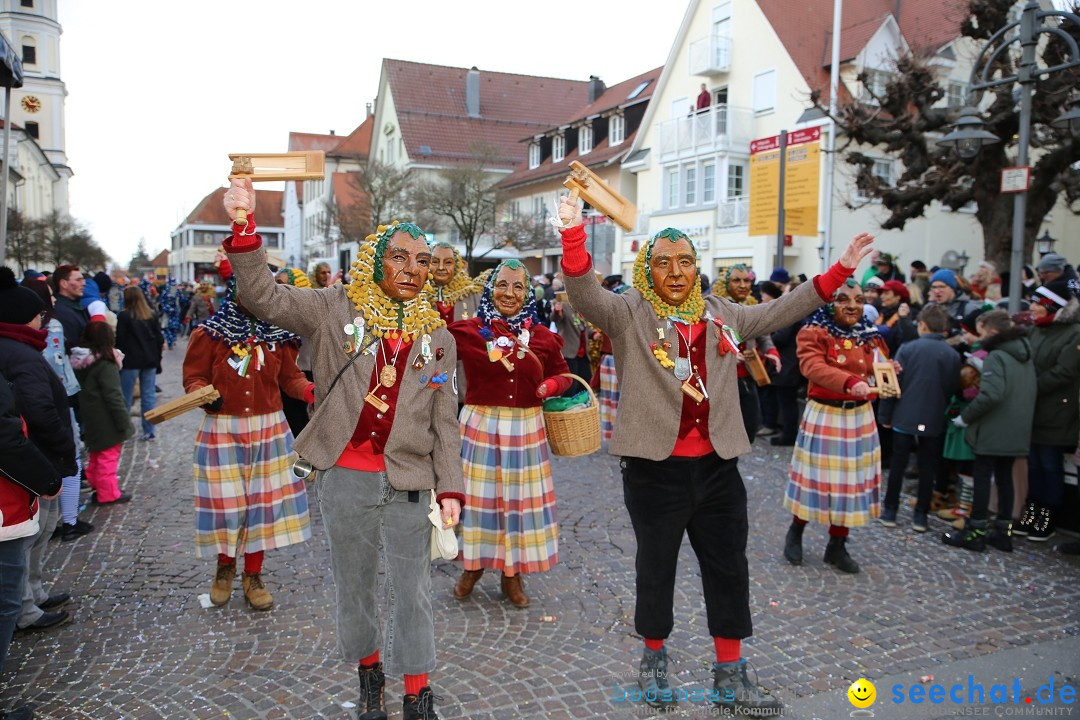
(142, 646)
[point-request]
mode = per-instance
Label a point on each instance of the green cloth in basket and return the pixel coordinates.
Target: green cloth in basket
(575, 402)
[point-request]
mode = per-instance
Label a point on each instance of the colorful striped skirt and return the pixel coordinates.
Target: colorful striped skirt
(509, 521)
(836, 466)
(246, 497)
(608, 396)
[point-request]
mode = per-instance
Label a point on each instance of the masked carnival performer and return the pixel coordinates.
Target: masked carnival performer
(511, 362)
(246, 498)
(677, 351)
(734, 283)
(169, 307)
(836, 464)
(383, 436)
(450, 290)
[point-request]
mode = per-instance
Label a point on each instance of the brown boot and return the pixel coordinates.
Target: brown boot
(514, 590)
(221, 589)
(940, 501)
(258, 597)
(463, 587)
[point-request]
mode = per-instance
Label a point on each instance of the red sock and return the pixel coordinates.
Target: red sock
(838, 531)
(415, 683)
(799, 520)
(372, 659)
(654, 644)
(224, 559)
(253, 562)
(727, 649)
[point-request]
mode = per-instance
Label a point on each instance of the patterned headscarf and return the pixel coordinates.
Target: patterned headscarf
(694, 306)
(861, 332)
(230, 325)
(487, 312)
(722, 286)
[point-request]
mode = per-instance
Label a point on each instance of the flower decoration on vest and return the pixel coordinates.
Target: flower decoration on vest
(694, 307)
(384, 316)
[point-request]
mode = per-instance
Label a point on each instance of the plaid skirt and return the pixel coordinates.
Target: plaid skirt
(509, 521)
(246, 497)
(836, 466)
(608, 395)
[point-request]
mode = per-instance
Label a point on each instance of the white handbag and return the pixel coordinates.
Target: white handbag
(443, 541)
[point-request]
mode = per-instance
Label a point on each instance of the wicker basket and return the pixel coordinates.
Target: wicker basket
(574, 432)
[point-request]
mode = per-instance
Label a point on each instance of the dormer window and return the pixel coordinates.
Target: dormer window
(616, 129)
(584, 139)
(534, 155)
(558, 148)
(874, 86)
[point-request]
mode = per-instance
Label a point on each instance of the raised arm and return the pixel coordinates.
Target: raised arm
(298, 310)
(608, 311)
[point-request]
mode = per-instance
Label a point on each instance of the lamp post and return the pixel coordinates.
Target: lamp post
(1045, 244)
(969, 136)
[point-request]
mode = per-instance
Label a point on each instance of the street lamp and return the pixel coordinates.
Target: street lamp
(1045, 244)
(1026, 31)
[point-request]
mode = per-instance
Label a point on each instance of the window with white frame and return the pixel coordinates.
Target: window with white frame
(538, 207)
(616, 129)
(534, 155)
(558, 148)
(955, 94)
(765, 91)
(584, 139)
(736, 180)
(885, 171)
(708, 183)
(673, 187)
(691, 185)
(876, 83)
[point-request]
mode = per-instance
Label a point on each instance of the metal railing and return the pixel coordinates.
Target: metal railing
(720, 127)
(733, 212)
(710, 55)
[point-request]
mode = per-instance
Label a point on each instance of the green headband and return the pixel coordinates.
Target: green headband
(384, 237)
(674, 236)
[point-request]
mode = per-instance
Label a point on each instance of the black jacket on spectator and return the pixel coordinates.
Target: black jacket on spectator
(784, 340)
(139, 340)
(930, 377)
(42, 402)
(73, 316)
(899, 332)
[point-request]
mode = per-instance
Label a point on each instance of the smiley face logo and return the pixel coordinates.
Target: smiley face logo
(862, 693)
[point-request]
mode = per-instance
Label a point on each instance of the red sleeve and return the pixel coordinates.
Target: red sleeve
(829, 282)
(292, 381)
(243, 239)
(575, 260)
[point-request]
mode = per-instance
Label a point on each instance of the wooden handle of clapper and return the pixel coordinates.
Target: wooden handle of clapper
(573, 196)
(241, 217)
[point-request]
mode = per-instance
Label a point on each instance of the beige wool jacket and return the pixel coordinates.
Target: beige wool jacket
(423, 450)
(650, 401)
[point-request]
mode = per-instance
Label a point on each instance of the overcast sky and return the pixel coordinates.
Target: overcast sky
(160, 93)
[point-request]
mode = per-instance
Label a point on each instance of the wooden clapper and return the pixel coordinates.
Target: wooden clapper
(180, 405)
(888, 386)
(584, 182)
(308, 165)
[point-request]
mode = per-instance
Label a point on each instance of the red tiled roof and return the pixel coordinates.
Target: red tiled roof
(310, 141)
(211, 211)
(161, 259)
(430, 104)
(358, 142)
(804, 28)
(616, 95)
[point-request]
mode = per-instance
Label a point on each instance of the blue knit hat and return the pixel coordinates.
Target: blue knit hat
(946, 276)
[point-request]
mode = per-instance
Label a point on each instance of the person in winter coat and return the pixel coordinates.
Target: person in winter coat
(785, 385)
(930, 377)
(42, 402)
(18, 520)
(1055, 343)
(945, 290)
(998, 423)
(139, 337)
(203, 305)
(106, 422)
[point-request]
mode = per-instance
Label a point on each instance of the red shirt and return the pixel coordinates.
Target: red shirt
(364, 451)
(694, 425)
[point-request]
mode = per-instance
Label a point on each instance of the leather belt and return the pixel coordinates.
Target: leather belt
(844, 404)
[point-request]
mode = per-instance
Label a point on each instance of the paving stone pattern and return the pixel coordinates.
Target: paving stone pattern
(141, 646)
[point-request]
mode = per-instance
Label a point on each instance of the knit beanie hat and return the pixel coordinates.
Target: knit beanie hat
(1051, 262)
(968, 323)
(780, 275)
(18, 305)
(104, 282)
(899, 288)
(873, 282)
(946, 276)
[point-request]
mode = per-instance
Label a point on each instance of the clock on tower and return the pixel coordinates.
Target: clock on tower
(31, 104)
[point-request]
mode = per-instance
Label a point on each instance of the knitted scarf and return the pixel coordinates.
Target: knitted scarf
(861, 332)
(230, 325)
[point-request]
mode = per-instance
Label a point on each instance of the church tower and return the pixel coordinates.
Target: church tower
(32, 28)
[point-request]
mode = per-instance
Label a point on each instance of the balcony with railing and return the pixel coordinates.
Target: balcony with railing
(716, 128)
(710, 56)
(734, 212)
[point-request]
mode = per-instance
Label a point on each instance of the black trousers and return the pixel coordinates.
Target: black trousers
(580, 367)
(750, 406)
(1001, 468)
(788, 404)
(705, 499)
(930, 448)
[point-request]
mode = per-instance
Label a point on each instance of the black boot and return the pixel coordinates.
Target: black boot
(372, 705)
(971, 537)
(793, 543)
(420, 706)
(653, 680)
(1001, 536)
(734, 694)
(836, 554)
(1043, 527)
(1027, 519)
